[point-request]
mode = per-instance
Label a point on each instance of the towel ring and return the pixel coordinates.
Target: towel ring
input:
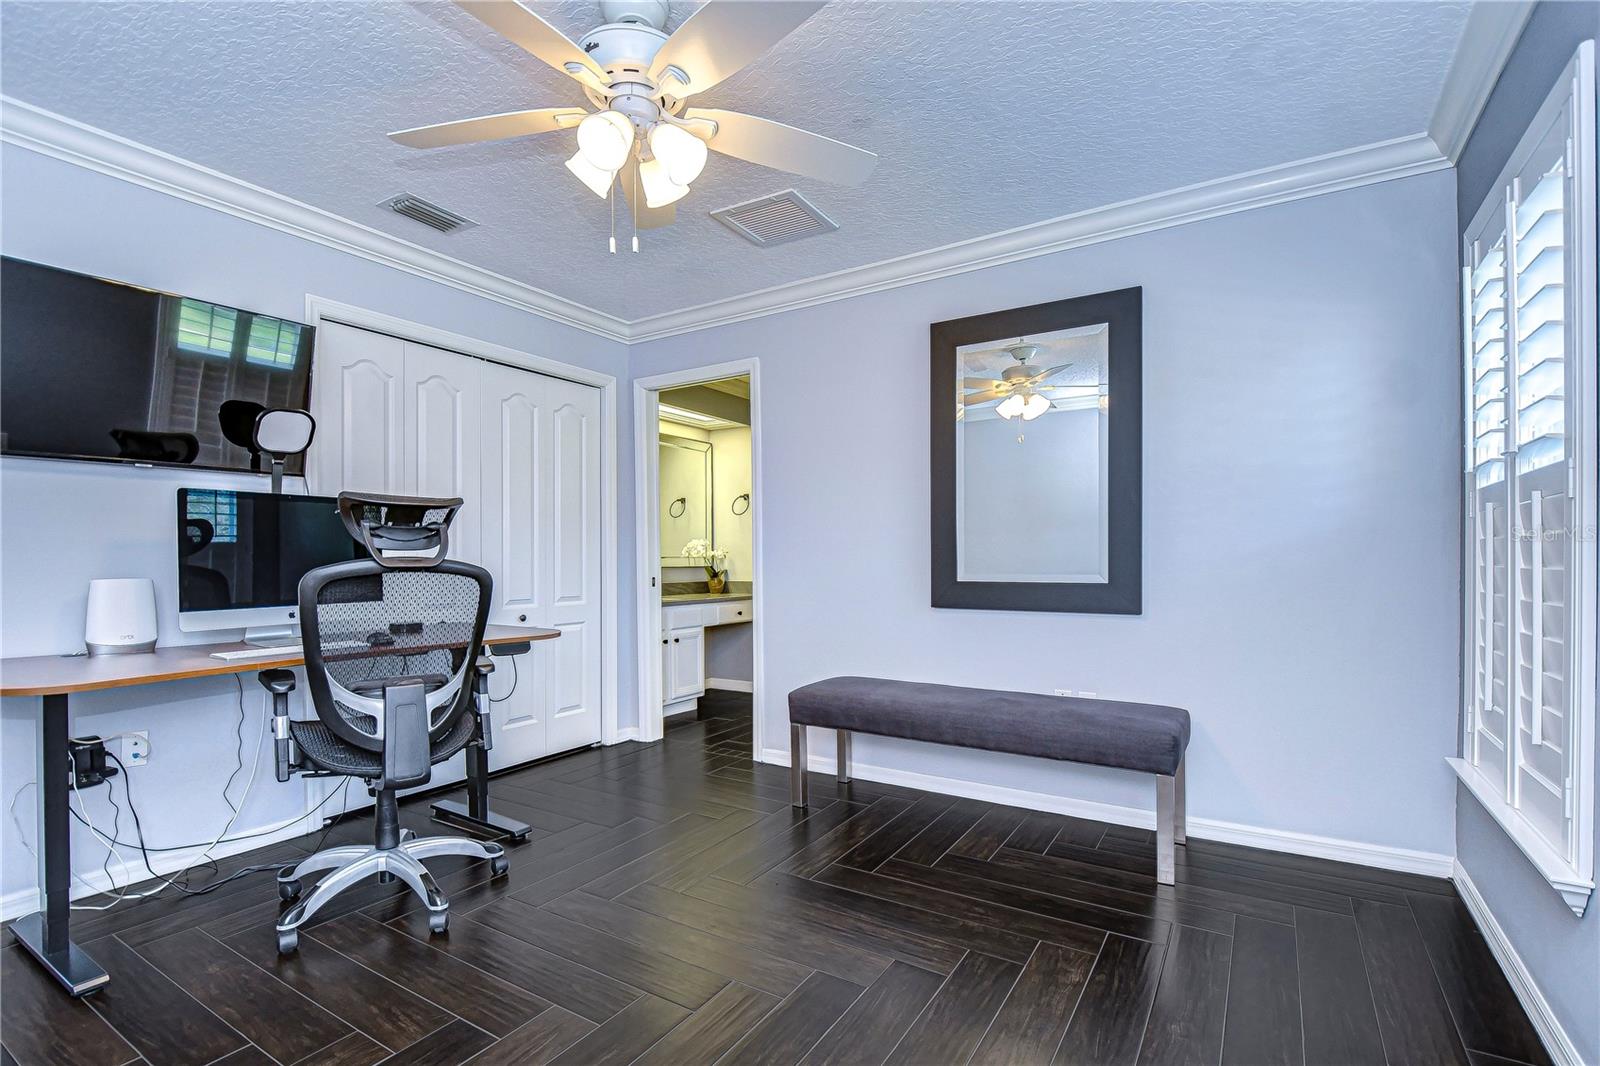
(678, 506)
(746, 498)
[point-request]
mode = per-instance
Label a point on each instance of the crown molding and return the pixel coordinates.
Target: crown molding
(1486, 42)
(59, 137)
(38, 130)
(1337, 171)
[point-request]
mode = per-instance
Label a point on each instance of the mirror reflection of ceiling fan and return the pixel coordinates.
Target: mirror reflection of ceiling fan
(1023, 389)
(639, 79)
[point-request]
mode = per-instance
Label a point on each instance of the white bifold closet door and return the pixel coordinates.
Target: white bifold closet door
(523, 451)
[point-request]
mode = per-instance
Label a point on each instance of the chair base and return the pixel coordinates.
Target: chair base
(352, 864)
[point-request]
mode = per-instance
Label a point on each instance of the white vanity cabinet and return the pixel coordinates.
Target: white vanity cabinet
(683, 648)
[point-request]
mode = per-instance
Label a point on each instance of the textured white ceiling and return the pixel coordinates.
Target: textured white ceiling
(986, 115)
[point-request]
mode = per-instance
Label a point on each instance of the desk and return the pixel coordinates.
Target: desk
(45, 933)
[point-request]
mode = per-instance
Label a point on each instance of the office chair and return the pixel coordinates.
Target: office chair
(392, 646)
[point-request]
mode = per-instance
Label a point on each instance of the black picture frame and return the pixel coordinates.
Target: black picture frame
(1123, 311)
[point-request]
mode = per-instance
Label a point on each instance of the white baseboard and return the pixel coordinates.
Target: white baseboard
(1381, 856)
(1556, 1041)
(732, 684)
(622, 736)
(131, 870)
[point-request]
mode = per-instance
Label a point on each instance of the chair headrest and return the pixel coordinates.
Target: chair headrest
(385, 525)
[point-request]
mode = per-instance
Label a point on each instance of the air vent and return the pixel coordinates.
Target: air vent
(429, 214)
(776, 219)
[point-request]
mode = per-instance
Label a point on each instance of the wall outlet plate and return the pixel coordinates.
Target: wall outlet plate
(134, 748)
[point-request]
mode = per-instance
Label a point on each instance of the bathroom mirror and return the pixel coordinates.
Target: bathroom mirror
(685, 496)
(1035, 446)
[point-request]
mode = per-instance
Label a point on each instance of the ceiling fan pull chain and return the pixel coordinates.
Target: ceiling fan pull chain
(611, 201)
(633, 201)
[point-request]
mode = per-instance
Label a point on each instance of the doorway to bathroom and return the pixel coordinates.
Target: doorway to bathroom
(698, 509)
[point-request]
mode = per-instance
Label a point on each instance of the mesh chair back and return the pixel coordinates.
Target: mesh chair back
(364, 625)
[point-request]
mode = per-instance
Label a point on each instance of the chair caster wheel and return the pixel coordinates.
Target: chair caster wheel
(289, 890)
(288, 941)
(499, 866)
(438, 922)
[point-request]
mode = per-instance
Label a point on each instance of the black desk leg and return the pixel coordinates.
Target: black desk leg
(45, 933)
(475, 813)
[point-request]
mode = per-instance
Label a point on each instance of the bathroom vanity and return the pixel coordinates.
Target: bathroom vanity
(685, 617)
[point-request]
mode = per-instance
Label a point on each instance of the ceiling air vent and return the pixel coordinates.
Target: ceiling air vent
(429, 214)
(776, 219)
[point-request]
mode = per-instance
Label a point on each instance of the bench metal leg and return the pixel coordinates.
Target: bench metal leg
(799, 783)
(1180, 830)
(1166, 828)
(842, 767)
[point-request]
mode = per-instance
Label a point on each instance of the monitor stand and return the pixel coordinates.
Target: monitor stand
(272, 636)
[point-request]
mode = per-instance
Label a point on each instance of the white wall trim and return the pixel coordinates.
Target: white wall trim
(1555, 1038)
(47, 133)
(1337, 171)
(131, 871)
(730, 684)
(1382, 856)
(59, 137)
(320, 309)
(1486, 42)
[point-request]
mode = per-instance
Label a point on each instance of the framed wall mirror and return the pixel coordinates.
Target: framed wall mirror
(685, 496)
(1036, 429)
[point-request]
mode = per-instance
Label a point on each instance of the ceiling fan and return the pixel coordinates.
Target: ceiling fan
(1021, 388)
(639, 80)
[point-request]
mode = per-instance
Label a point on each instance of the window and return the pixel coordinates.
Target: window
(273, 343)
(1528, 296)
(206, 329)
(220, 508)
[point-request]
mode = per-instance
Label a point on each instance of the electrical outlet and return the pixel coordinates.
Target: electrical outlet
(134, 748)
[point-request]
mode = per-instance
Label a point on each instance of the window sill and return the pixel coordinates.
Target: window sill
(1574, 889)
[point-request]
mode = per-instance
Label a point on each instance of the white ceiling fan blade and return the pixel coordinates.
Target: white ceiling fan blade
(536, 37)
(772, 144)
(490, 127)
(648, 217)
(979, 383)
(1046, 375)
(722, 37)
(981, 397)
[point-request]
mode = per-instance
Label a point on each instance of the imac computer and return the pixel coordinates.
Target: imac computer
(241, 556)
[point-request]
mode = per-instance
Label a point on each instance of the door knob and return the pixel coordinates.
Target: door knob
(522, 618)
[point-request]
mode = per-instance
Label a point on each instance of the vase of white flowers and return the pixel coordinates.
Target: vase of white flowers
(710, 558)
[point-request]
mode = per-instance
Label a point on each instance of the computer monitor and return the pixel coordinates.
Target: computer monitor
(241, 556)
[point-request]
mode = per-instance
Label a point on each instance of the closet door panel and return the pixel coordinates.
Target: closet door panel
(443, 450)
(573, 710)
(514, 423)
(357, 388)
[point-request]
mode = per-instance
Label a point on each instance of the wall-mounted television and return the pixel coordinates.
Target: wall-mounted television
(97, 369)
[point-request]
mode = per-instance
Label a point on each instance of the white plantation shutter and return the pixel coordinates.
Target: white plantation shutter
(1529, 337)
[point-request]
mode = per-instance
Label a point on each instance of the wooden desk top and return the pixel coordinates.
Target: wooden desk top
(46, 675)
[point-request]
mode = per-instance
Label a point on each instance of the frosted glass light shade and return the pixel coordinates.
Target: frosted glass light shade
(1034, 406)
(659, 188)
(605, 139)
(598, 180)
(682, 152)
(1010, 407)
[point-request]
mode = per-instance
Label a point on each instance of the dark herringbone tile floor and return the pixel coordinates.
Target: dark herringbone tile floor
(671, 908)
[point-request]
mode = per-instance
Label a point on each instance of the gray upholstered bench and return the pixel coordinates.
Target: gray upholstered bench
(1128, 736)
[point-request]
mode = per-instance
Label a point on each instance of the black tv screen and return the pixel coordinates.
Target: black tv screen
(95, 369)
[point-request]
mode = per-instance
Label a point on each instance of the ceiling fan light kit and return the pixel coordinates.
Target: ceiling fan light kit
(639, 78)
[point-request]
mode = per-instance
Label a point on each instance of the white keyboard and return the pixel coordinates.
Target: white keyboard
(287, 651)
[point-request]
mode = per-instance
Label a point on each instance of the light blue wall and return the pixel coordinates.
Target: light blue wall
(1300, 488)
(1560, 950)
(65, 523)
